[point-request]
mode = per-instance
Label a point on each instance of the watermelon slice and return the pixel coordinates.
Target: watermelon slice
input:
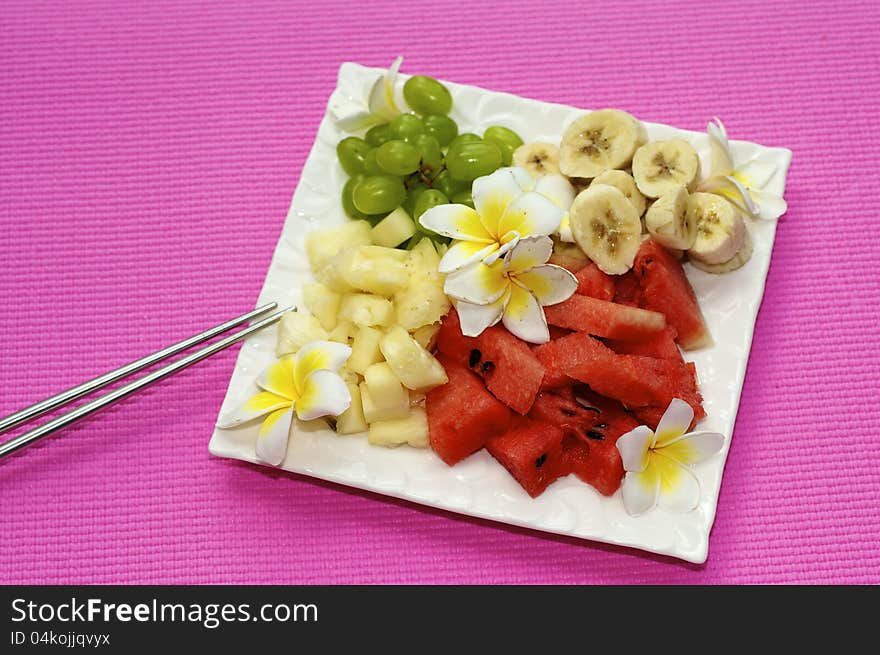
(660, 346)
(665, 288)
(462, 414)
(511, 372)
(593, 282)
(532, 453)
(627, 289)
(605, 319)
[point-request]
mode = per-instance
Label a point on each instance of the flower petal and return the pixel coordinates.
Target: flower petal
(633, 447)
(721, 162)
(476, 318)
(732, 189)
(676, 420)
(550, 284)
(356, 120)
(315, 356)
(254, 407)
(679, 487)
(324, 393)
(465, 253)
(640, 490)
(273, 437)
(694, 447)
(456, 221)
(523, 177)
(278, 378)
(528, 253)
(755, 174)
(564, 232)
(523, 316)
(492, 195)
(478, 284)
(508, 243)
(557, 188)
(769, 207)
(531, 214)
(381, 99)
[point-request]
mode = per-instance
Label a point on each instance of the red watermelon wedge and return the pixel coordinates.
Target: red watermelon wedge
(532, 453)
(605, 319)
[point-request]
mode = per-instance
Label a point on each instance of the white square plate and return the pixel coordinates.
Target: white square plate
(479, 486)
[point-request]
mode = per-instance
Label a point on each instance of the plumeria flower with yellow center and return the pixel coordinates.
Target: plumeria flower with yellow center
(503, 214)
(512, 290)
(742, 185)
(658, 464)
(307, 384)
(369, 106)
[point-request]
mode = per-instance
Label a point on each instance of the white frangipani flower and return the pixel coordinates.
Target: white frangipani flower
(364, 108)
(658, 464)
(512, 290)
(307, 384)
(743, 184)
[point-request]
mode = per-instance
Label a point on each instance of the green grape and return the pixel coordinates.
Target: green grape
(347, 202)
(506, 140)
(370, 165)
(427, 199)
(471, 160)
(378, 134)
(412, 196)
(378, 194)
(464, 137)
(464, 198)
(351, 152)
(398, 157)
(444, 182)
(429, 149)
(406, 125)
(426, 95)
(442, 128)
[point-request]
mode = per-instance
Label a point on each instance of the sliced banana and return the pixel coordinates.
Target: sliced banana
(606, 227)
(538, 158)
(627, 185)
(669, 222)
(720, 228)
(600, 141)
(738, 261)
(660, 166)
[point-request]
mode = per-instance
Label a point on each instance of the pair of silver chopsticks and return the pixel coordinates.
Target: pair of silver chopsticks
(65, 397)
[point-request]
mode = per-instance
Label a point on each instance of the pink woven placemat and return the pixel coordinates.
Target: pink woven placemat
(147, 159)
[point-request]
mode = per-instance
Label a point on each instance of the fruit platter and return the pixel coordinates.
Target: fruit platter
(519, 311)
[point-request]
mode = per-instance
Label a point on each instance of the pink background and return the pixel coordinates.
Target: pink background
(147, 159)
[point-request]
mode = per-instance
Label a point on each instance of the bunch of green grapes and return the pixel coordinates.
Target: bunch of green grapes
(419, 160)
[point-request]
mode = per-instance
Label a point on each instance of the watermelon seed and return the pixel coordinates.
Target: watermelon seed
(540, 461)
(592, 434)
(475, 358)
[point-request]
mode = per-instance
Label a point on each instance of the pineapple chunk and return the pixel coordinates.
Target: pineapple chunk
(365, 349)
(343, 332)
(426, 336)
(423, 302)
(382, 395)
(412, 430)
(394, 229)
(366, 309)
(414, 366)
(296, 330)
(352, 420)
(322, 245)
(323, 303)
(424, 258)
(373, 269)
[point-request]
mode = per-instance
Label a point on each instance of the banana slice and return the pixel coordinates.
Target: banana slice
(720, 228)
(660, 166)
(538, 158)
(600, 141)
(738, 261)
(606, 227)
(627, 185)
(669, 222)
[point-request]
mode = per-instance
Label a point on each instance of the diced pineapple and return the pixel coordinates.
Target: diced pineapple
(365, 349)
(394, 229)
(422, 302)
(412, 430)
(382, 396)
(296, 329)
(323, 303)
(348, 376)
(373, 269)
(322, 245)
(426, 336)
(343, 332)
(414, 366)
(352, 420)
(423, 257)
(366, 309)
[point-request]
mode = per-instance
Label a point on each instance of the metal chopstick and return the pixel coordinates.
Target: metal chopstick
(84, 410)
(40, 408)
